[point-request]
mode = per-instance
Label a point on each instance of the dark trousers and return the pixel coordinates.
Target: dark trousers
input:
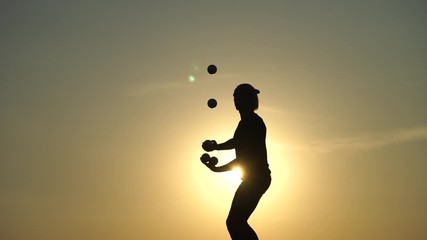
(244, 203)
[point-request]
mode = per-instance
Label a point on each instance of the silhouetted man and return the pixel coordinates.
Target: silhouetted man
(251, 156)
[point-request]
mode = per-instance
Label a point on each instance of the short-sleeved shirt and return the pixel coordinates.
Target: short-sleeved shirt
(251, 151)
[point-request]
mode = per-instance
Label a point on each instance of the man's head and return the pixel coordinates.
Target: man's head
(246, 98)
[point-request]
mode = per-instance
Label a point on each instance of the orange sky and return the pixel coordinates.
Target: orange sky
(101, 126)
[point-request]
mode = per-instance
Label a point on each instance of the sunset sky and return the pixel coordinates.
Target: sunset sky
(103, 112)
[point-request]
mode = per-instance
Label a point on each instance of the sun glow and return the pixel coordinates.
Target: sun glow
(234, 176)
(216, 189)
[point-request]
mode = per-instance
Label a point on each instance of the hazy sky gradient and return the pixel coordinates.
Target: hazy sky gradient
(100, 126)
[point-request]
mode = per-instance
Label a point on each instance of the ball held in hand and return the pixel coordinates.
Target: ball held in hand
(209, 145)
(205, 158)
(212, 162)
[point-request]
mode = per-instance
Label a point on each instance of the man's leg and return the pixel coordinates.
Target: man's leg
(244, 203)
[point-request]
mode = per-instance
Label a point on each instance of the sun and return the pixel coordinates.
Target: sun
(237, 172)
(234, 176)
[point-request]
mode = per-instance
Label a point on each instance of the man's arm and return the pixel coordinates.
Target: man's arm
(224, 168)
(230, 144)
(210, 145)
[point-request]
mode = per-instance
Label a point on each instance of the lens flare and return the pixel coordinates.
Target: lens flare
(237, 174)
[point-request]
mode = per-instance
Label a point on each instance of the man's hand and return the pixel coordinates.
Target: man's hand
(213, 168)
(209, 161)
(209, 145)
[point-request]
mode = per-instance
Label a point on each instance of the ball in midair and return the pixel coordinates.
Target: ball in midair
(212, 103)
(212, 69)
